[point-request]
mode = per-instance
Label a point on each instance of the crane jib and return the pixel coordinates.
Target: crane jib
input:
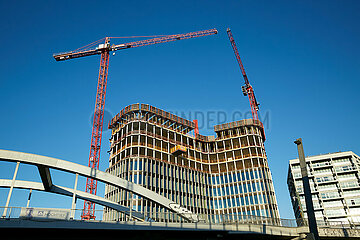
(99, 49)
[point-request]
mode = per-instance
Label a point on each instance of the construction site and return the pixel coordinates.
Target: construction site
(180, 120)
(163, 175)
(222, 175)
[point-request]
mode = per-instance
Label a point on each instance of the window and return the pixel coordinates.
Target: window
(247, 175)
(215, 194)
(335, 212)
(351, 175)
(140, 164)
(238, 176)
(295, 166)
(354, 201)
(256, 199)
(330, 204)
(251, 175)
(344, 168)
(327, 186)
(227, 190)
(135, 165)
(323, 170)
(352, 193)
(349, 184)
(213, 180)
(225, 177)
(327, 195)
(341, 160)
(253, 187)
(324, 179)
(263, 213)
(228, 202)
(297, 174)
(140, 179)
(247, 200)
(236, 189)
(260, 199)
(320, 164)
(232, 189)
(256, 176)
(238, 201)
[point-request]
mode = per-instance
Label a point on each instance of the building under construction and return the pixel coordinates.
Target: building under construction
(223, 177)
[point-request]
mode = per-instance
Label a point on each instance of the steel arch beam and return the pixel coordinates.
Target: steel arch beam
(62, 165)
(6, 183)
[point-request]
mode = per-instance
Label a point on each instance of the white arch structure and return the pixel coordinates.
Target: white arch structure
(45, 163)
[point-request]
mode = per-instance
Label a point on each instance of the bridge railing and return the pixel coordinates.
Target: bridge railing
(10, 212)
(166, 217)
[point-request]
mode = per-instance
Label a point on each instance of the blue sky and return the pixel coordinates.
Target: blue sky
(302, 58)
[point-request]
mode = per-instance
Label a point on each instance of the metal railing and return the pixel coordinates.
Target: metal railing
(57, 214)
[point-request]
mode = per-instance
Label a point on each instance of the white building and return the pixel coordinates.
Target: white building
(334, 182)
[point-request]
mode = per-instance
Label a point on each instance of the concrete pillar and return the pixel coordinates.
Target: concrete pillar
(307, 191)
(28, 201)
(11, 189)
(73, 204)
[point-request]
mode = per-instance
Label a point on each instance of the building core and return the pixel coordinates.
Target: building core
(223, 178)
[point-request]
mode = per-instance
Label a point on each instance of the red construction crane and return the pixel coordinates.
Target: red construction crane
(103, 49)
(247, 89)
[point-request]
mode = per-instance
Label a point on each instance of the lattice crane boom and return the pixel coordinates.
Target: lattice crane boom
(103, 49)
(247, 88)
(97, 50)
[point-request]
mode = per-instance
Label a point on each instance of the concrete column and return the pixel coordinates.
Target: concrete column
(11, 189)
(73, 204)
(307, 191)
(28, 201)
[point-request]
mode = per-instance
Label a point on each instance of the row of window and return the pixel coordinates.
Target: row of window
(239, 201)
(335, 194)
(139, 178)
(323, 163)
(327, 170)
(133, 165)
(244, 175)
(240, 189)
(245, 216)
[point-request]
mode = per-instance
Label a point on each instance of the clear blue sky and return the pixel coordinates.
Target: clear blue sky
(302, 57)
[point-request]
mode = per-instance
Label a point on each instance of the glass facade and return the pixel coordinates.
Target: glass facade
(216, 176)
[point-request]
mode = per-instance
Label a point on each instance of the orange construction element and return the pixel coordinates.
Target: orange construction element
(178, 150)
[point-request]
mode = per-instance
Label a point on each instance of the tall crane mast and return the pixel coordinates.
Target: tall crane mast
(103, 49)
(247, 89)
